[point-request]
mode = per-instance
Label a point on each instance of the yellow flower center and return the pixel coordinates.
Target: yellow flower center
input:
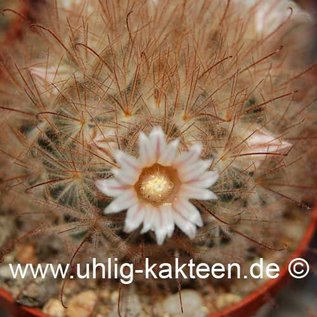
(157, 184)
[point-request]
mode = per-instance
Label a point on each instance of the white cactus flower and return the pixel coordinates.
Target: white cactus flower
(68, 4)
(259, 145)
(54, 77)
(156, 188)
(262, 142)
(270, 14)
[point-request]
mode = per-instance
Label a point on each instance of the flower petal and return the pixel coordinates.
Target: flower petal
(157, 138)
(183, 224)
(111, 187)
(188, 211)
(147, 155)
(160, 237)
(126, 161)
(190, 156)
(134, 218)
(124, 201)
(150, 218)
(166, 226)
(262, 142)
(206, 180)
(191, 192)
(160, 230)
(126, 176)
(192, 171)
(169, 153)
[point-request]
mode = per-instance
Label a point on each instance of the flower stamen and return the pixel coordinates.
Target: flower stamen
(157, 184)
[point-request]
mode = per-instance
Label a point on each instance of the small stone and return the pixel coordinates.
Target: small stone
(130, 305)
(193, 305)
(48, 247)
(54, 308)
(115, 296)
(38, 292)
(105, 294)
(82, 305)
(71, 288)
(226, 299)
(25, 253)
(294, 231)
(5, 271)
(9, 258)
(6, 229)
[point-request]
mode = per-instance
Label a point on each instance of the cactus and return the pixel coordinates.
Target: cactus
(98, 88)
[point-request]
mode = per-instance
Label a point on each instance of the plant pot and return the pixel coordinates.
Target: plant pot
(16, 310)
(18, 17)
(251, 303)
(245, 308)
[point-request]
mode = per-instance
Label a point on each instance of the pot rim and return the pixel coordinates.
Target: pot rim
(252, 302)
(247, 306)
(16, 25)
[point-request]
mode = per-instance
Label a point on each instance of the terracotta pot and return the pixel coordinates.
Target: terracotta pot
(18, 18)
(248, 305)
(251, 303)
(245, 308)
(7, 303)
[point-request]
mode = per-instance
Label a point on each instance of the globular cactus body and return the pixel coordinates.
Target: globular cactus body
(92, 80)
